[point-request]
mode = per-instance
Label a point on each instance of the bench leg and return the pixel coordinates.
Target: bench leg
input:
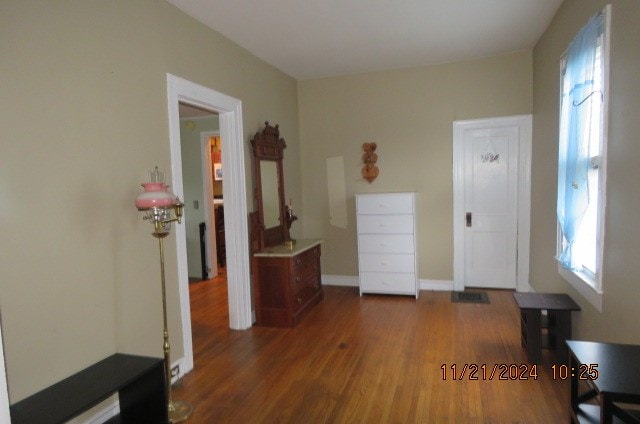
(144, 401)
(533, 331)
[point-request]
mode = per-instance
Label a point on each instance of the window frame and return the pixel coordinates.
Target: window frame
(590, 286)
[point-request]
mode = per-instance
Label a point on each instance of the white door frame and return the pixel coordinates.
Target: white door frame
(229, 111)
(4, 391)
(209, 217)
(524, 196)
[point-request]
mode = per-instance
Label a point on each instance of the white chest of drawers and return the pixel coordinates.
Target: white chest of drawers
(387, 248)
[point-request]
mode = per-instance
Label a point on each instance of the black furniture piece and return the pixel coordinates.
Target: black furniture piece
(557, 325)
(203, 251)
(611, 373)
(221, 244)
(139, 381)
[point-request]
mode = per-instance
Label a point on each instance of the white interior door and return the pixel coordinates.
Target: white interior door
(491, 206)
(487, 163)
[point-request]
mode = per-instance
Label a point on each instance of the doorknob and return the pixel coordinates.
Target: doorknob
(468, 217)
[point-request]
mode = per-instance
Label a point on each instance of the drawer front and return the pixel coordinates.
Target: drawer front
(306, 263)
(383, 224)
(302, 296)
(300, 282)
(376, 262)
(386, 243)
(305, 275)
(389, 203)
(385, 282)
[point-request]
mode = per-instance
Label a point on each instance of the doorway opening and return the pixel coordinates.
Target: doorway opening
(229, 111)
(201, 150)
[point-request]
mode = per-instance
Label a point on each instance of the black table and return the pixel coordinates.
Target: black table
(558, 307)
(612, 374)
(139, 381)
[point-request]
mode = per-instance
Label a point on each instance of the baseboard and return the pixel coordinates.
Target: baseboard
(340, 280)
(436, 285)
(525, 288)
(351, 281)
(100, 413)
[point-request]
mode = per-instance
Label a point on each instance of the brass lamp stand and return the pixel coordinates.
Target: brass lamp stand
(161, 217)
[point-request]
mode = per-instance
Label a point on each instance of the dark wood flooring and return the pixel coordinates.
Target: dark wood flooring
(371, 359)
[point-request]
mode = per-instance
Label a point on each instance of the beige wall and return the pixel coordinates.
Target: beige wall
(409, 114)
(83, 113)
(618, 320)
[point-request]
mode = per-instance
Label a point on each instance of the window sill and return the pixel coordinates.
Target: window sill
(579, 281)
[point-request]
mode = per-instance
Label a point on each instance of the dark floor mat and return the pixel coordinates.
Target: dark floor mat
(470, 297)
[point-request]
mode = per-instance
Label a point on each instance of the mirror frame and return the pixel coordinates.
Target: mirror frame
(268, 146)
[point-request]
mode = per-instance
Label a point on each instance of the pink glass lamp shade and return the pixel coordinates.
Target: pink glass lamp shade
(156, 193)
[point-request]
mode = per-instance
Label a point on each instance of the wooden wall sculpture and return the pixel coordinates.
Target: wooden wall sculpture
(370, 171)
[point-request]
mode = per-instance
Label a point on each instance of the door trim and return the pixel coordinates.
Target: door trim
(4, 390)
(524, 196)
(229, 111)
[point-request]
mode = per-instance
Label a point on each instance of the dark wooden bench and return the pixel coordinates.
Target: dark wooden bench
(138, 380)
(557, 326)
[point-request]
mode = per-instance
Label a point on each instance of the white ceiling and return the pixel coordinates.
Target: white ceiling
(318, 38)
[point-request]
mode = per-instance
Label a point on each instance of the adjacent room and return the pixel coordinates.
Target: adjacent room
(365, 212)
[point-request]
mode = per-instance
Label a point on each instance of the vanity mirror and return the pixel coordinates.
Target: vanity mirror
(269, 222)
(286, 275)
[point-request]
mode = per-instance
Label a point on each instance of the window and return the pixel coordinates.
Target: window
(582, 156)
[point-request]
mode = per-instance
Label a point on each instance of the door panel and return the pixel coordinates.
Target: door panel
(491, 197)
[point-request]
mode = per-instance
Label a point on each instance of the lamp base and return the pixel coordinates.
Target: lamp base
(179, 411)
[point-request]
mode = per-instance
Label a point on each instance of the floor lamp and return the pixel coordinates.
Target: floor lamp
(161, 208)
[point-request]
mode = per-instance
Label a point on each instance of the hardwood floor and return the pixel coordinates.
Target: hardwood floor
(372, 359)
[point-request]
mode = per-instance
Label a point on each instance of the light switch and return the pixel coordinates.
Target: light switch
(195, 204)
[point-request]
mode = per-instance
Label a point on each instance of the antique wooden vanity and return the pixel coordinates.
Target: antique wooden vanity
(286, 273)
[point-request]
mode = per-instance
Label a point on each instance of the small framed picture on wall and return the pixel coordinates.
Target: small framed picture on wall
(217, 171)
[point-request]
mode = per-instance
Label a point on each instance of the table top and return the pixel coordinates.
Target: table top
(284, 251)
(618, 366)
(549, 301)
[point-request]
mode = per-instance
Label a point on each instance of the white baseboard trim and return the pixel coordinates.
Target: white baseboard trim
(340, 280)
(525, 288)
(436, 285)
(100, 413)
(351, 281)
(106, 413)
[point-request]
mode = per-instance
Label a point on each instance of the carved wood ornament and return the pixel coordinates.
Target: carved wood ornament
(271, 221)
(370, 171)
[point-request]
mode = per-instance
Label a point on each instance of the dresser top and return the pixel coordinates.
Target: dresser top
(386, 193)
(283, 251)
